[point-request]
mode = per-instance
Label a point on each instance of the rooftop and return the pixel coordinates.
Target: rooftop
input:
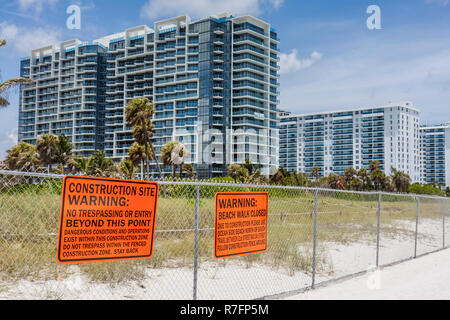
(406, 104)
(160, 26)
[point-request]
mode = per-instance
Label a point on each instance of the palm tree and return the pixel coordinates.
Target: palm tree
(14, 154)
(299, 179)
(374, 164)
(189, 170)
(127, 169)
(79, 165)
(138, 114)
(379, 178)
(234, 170)
(22, 157)
(315, 172)
(100, 165)
(349, 174)
(249, 166)
(357, 184)
(335, 181)
(180, 154)
(244, 175)
(401, 180)
(166, 155)
(10, 84)
(47, 148)
(137, 156)
(248, 172)
(388, 184)
(140, 135)
(363, 174)
(278, 177)
(63, 150)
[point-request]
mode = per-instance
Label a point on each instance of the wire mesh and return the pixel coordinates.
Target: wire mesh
(446, 217)
(29, 216)
(397, 228)
(285, 266)
(346, 233)
(430, 227)
(354, 231)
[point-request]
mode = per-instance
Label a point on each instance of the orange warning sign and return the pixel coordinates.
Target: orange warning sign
(106, 219)
(240, 223)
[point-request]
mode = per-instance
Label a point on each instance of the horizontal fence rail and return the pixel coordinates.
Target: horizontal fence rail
(314, 236)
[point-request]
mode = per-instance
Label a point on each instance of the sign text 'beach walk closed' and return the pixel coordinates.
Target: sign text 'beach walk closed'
(106, 219)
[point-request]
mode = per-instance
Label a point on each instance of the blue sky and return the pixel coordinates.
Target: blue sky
(329, 58)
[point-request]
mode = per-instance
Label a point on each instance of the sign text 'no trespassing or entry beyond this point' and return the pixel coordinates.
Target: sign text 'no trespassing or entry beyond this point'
(106, 219)
(240, 223)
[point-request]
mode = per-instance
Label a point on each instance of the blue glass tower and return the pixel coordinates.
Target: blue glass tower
(213, 83)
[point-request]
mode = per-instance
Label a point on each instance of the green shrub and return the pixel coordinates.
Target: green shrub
(428, 189)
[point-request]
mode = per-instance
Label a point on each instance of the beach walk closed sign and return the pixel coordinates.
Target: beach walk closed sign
(240, 223)
(106, 219)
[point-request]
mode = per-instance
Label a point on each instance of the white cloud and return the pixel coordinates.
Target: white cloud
(12, 136)
(366, 73)
(23, 39)
(442, 3)
(7, 140)
(291, 63)
(201, 8)
(35, 5)
(84, 5)
(276, 3)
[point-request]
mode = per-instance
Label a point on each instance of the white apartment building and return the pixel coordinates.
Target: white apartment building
(336, 140)
(435, 155)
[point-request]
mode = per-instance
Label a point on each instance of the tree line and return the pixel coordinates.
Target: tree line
(56, 154)
(51, 150)
(371, 179)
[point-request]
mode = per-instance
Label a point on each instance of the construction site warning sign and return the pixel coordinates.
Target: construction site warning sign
(240, 223)
(106, 219)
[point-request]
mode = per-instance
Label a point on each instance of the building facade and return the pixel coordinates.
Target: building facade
(435, 155)
(68, 96)
(214, 85)
(334, 141)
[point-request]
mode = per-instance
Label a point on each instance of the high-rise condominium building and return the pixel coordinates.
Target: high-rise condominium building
(334, 141)
(213, 82)
(435, 154)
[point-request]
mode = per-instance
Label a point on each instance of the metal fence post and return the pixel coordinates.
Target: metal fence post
(197, 200)
(443, 223)
(378, 229)
(314, 240)
(417, 227)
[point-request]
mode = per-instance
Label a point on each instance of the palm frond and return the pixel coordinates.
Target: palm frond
(2, 43)
(14, 82)
(3, 102)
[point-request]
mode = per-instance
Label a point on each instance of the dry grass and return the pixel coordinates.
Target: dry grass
(29, 225)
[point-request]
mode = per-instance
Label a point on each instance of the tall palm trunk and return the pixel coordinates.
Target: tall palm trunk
(144, 127)
(156, 160)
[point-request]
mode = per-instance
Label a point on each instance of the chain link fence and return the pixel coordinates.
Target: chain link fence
(314, 236)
